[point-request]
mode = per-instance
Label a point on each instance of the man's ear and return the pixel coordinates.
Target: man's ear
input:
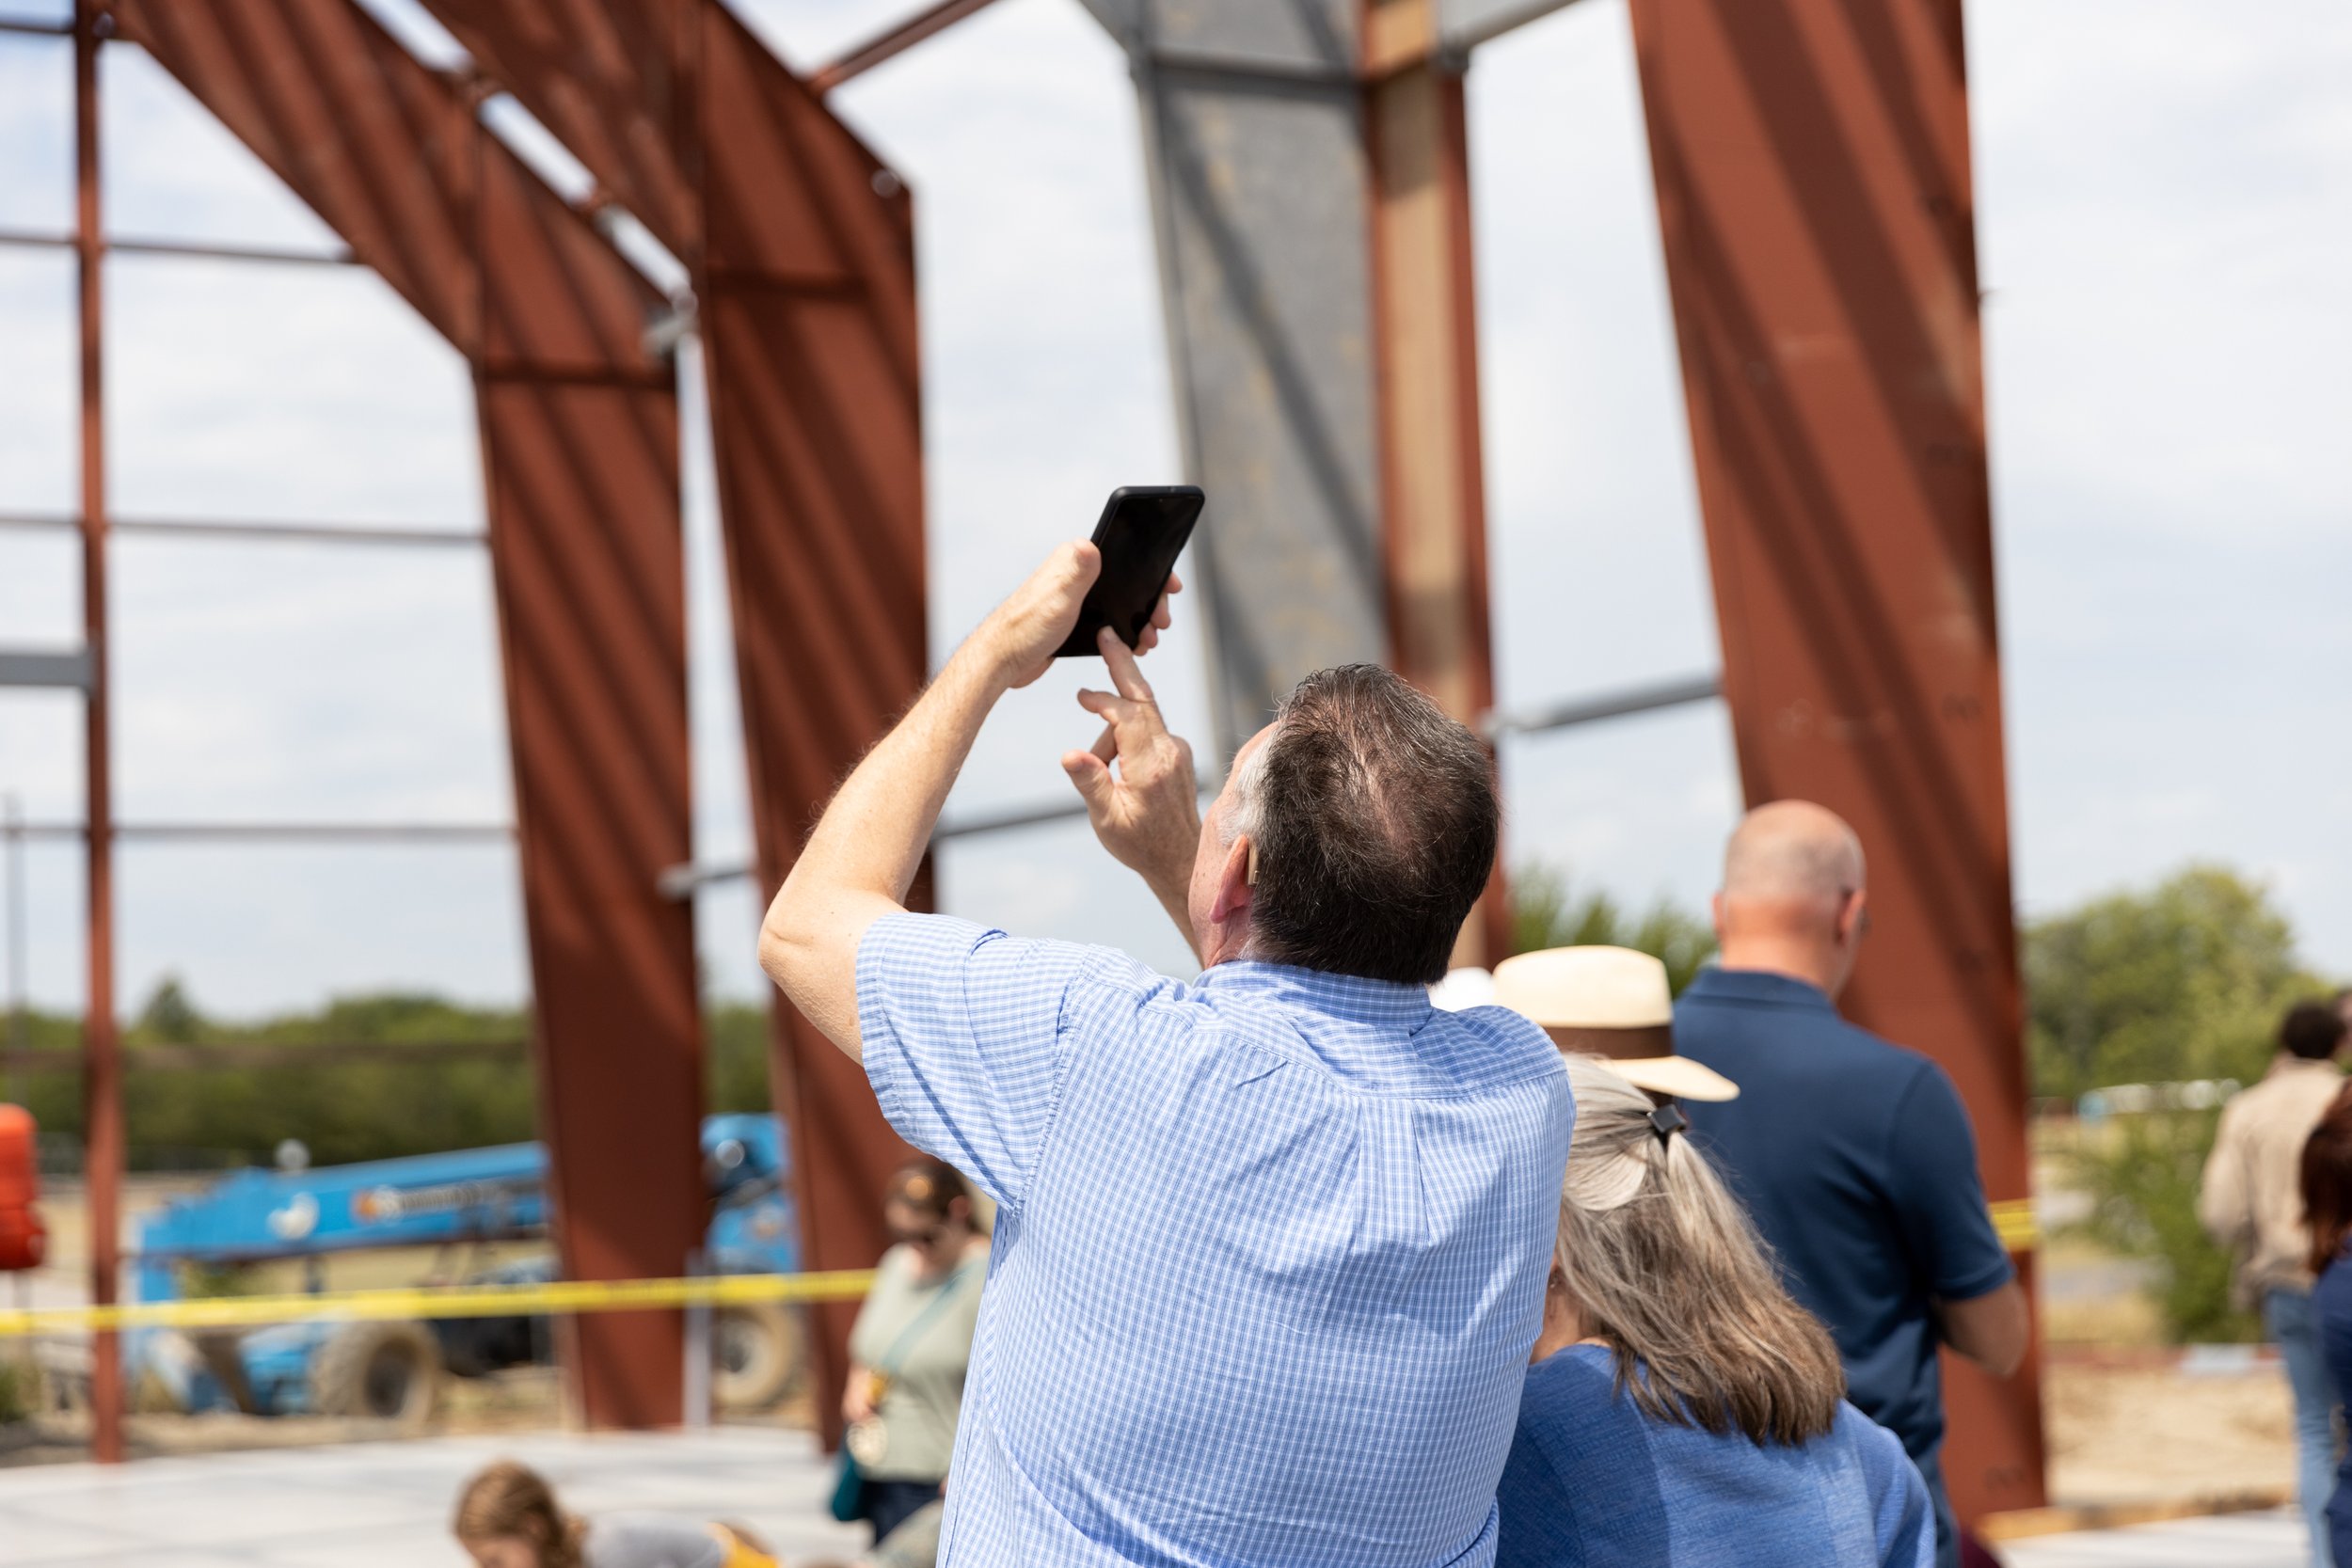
(1235, 890)
(1715, 912)
(1854, 918)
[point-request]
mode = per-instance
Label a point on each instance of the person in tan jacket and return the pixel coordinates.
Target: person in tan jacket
(2251, 1203)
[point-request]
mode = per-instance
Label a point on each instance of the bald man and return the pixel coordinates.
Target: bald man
(1853, 1155)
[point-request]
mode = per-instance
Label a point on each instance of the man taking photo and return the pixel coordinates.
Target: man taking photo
(1271, 1245)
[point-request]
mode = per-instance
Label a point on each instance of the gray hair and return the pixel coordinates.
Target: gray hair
(1374, 817)
(1248, 812)
(1667, 1270)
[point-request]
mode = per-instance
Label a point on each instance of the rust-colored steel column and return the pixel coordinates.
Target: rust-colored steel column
(580, 454)
(102, 1059)
(802, 247)
(1425, 331)
(1813, 178)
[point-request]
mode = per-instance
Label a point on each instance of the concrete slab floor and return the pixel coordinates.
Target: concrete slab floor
(2271, 1540)
(374, 1505)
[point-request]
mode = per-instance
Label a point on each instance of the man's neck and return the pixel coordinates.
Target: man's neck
(1791, 960)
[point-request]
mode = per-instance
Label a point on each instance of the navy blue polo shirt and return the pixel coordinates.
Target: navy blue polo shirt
(1857, 1161)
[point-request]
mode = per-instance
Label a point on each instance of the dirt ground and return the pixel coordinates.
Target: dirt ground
(2144, 1434)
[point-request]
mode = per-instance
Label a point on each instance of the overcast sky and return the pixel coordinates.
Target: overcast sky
(2165, 221)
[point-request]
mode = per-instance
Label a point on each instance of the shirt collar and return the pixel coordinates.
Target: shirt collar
(2287, 1061)
(1718, 984)
(1352, 997)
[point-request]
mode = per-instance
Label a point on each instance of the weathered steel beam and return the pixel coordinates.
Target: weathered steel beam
(886, 46)
(1425, 329)
(1814, 189)
(102, 1046)
(1311, 191)
(801, 244)
(74, 670)
(257, 533)
(1254, 144)
(1464, 24)
(580, 451)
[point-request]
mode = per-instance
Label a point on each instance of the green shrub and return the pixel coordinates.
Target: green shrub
(20, 1385)
(2141, 1173)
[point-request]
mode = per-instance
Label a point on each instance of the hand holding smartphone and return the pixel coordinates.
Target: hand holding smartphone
(1142, 531)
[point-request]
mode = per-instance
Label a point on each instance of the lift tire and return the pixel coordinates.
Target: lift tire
(389, 1372)
(755, 1354)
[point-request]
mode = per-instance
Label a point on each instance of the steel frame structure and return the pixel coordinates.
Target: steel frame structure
(1311, 194)
(1811, 157)
(801, 244)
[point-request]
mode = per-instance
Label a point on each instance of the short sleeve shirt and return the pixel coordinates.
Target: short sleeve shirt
(1592, 1480)
(1269, 1255)
(1857, 1161)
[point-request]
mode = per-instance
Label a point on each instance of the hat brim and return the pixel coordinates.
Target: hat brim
(1678, 1076)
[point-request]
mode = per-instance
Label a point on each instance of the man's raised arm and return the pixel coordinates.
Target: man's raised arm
(862, 855)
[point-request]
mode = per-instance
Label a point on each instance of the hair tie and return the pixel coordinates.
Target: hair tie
(1666, 1121)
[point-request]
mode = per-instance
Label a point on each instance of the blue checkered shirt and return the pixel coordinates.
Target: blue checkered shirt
(1270, 1249)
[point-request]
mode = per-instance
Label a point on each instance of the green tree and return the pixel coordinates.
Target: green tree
(170, 1016)
(2184, 980)
(1544, 912)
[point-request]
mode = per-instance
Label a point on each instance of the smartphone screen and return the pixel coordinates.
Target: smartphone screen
(1142, 531)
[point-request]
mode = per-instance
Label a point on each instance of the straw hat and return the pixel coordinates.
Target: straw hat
(1609, 1002)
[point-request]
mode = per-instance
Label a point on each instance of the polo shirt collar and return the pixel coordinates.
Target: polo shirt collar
(1717, 984)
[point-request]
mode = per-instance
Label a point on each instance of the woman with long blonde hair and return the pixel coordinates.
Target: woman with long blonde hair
(1680, 1411)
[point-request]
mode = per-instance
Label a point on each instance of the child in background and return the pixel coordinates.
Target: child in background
(507, 1517)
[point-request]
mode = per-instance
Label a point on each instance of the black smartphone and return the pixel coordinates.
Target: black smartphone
(1143, 529)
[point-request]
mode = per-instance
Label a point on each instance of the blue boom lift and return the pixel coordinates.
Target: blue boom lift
(396, 1370)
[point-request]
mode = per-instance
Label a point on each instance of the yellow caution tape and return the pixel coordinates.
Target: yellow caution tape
(444, 1300)
(2013, 1222)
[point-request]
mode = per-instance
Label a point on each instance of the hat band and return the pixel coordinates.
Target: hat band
(1624, 1045)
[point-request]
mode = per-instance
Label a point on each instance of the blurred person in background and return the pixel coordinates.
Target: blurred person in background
(2324, 1180)
(508, 1517)
(912, 1345)
(1681, 1409)
(2251, 1203)
(1271, 1243)
(1854, 1156)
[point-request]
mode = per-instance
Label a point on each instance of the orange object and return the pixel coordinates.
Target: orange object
(24, 1240)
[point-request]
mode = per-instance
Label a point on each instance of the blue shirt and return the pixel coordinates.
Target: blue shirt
(2331, 1311)
(1269, 1256)
(1592, 1480)
(1857, 1160)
